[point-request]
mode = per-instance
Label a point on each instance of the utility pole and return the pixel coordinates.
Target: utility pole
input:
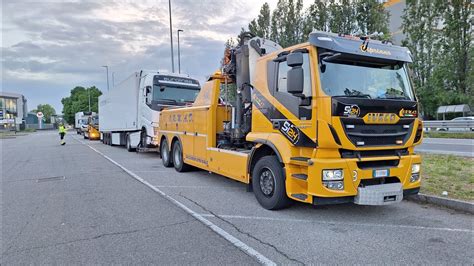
(171, 37)
(89, 91)
(107, 72)
(179, 54)
(113, 79)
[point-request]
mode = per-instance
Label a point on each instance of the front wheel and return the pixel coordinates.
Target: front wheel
(268, 184)
(178, 161)
(165, 154)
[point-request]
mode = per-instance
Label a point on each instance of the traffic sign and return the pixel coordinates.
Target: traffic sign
(39, 114)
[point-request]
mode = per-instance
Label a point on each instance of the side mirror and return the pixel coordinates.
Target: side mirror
(295, 76)
(294, 60)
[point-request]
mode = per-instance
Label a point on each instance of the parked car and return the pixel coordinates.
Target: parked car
(459, 119)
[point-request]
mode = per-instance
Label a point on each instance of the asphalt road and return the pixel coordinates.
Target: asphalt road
(460, 147)
(100, 213)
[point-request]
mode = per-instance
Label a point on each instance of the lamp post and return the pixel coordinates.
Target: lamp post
(89, 92)
(107, 72)
(179, 54)
(171, 37)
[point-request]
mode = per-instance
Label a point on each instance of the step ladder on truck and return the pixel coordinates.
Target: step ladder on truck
(333, 120)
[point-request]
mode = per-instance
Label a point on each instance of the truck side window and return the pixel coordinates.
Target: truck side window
(283, 70)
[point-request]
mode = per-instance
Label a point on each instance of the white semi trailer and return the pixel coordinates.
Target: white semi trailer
(129, 112)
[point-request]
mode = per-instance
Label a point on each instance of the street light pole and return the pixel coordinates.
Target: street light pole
(171, 37)
(179, 54)
(89, 91)
(107, 71)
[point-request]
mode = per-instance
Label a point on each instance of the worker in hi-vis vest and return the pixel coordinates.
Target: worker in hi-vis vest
(62, 132)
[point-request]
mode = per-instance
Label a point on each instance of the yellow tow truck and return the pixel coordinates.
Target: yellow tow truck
(332, 120)
(92, 132)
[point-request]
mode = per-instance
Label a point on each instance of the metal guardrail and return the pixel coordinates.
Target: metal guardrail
(446, 124)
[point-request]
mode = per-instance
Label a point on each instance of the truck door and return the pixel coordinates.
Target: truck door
(293, 112)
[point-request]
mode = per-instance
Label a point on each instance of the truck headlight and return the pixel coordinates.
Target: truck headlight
(415, 173)
(415, 168)
(333, 174)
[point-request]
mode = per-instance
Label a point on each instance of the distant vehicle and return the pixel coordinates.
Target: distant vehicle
(459, 119)
(92, 131)
(129, 112)
(80, 121)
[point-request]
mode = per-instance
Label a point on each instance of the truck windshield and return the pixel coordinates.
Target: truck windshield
(363, 81)
(162, 93)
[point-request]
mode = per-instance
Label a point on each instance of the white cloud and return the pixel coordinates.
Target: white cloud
(51, 46)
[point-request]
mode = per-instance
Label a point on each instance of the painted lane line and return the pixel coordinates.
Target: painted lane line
(233, 240)
(340, 223)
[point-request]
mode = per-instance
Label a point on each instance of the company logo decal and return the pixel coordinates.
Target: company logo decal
(291, 132)
(381, 118)
(408, 113)
(351, 110)
(364, 48)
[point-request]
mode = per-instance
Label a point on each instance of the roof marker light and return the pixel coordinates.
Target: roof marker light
(325, 39)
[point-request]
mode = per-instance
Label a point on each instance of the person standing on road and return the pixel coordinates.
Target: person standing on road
(62, 132)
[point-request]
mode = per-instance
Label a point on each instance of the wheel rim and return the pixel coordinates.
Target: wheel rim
(177, 155)
(267, 182)
(164, 151)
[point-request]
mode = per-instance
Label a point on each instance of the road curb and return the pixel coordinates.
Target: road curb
(458, 205)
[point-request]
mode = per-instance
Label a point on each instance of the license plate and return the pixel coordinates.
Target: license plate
(380, 173)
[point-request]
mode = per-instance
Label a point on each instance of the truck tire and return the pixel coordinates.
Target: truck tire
(143, 139)
(128, 144)
(268, 183)
(165, 154)
(85, 137)
(178, 161)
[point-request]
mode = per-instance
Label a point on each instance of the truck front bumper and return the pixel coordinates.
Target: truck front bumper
(358, 187)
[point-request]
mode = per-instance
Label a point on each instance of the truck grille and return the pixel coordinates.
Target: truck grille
(363, 135)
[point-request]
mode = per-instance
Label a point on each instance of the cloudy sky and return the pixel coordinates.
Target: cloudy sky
(49, 47)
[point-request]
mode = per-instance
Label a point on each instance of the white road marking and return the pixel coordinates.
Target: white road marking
(339, 223)
(233, 240)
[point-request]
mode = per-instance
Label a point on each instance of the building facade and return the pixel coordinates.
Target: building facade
(13, 110)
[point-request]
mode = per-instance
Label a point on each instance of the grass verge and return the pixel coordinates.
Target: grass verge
(452, 135)
(449, 173)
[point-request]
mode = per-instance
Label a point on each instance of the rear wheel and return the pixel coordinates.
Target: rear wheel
(165, 154)
(128, 144)
(268, 184)
(178, 161)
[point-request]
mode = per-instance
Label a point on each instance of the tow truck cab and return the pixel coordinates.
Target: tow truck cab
(338, 114)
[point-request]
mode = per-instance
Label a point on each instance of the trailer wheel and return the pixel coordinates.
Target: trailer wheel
(128, 144)
(165, 154)
(178, 161)
(268, 183)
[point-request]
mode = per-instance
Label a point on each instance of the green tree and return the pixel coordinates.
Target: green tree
(457, 48)
(316, 17)
(371, 17)
(343, 18)
(439, 35)
(78, 101)
(261, 26)
(47, 111)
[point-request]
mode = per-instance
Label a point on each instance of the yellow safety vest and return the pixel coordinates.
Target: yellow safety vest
(62, 129)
